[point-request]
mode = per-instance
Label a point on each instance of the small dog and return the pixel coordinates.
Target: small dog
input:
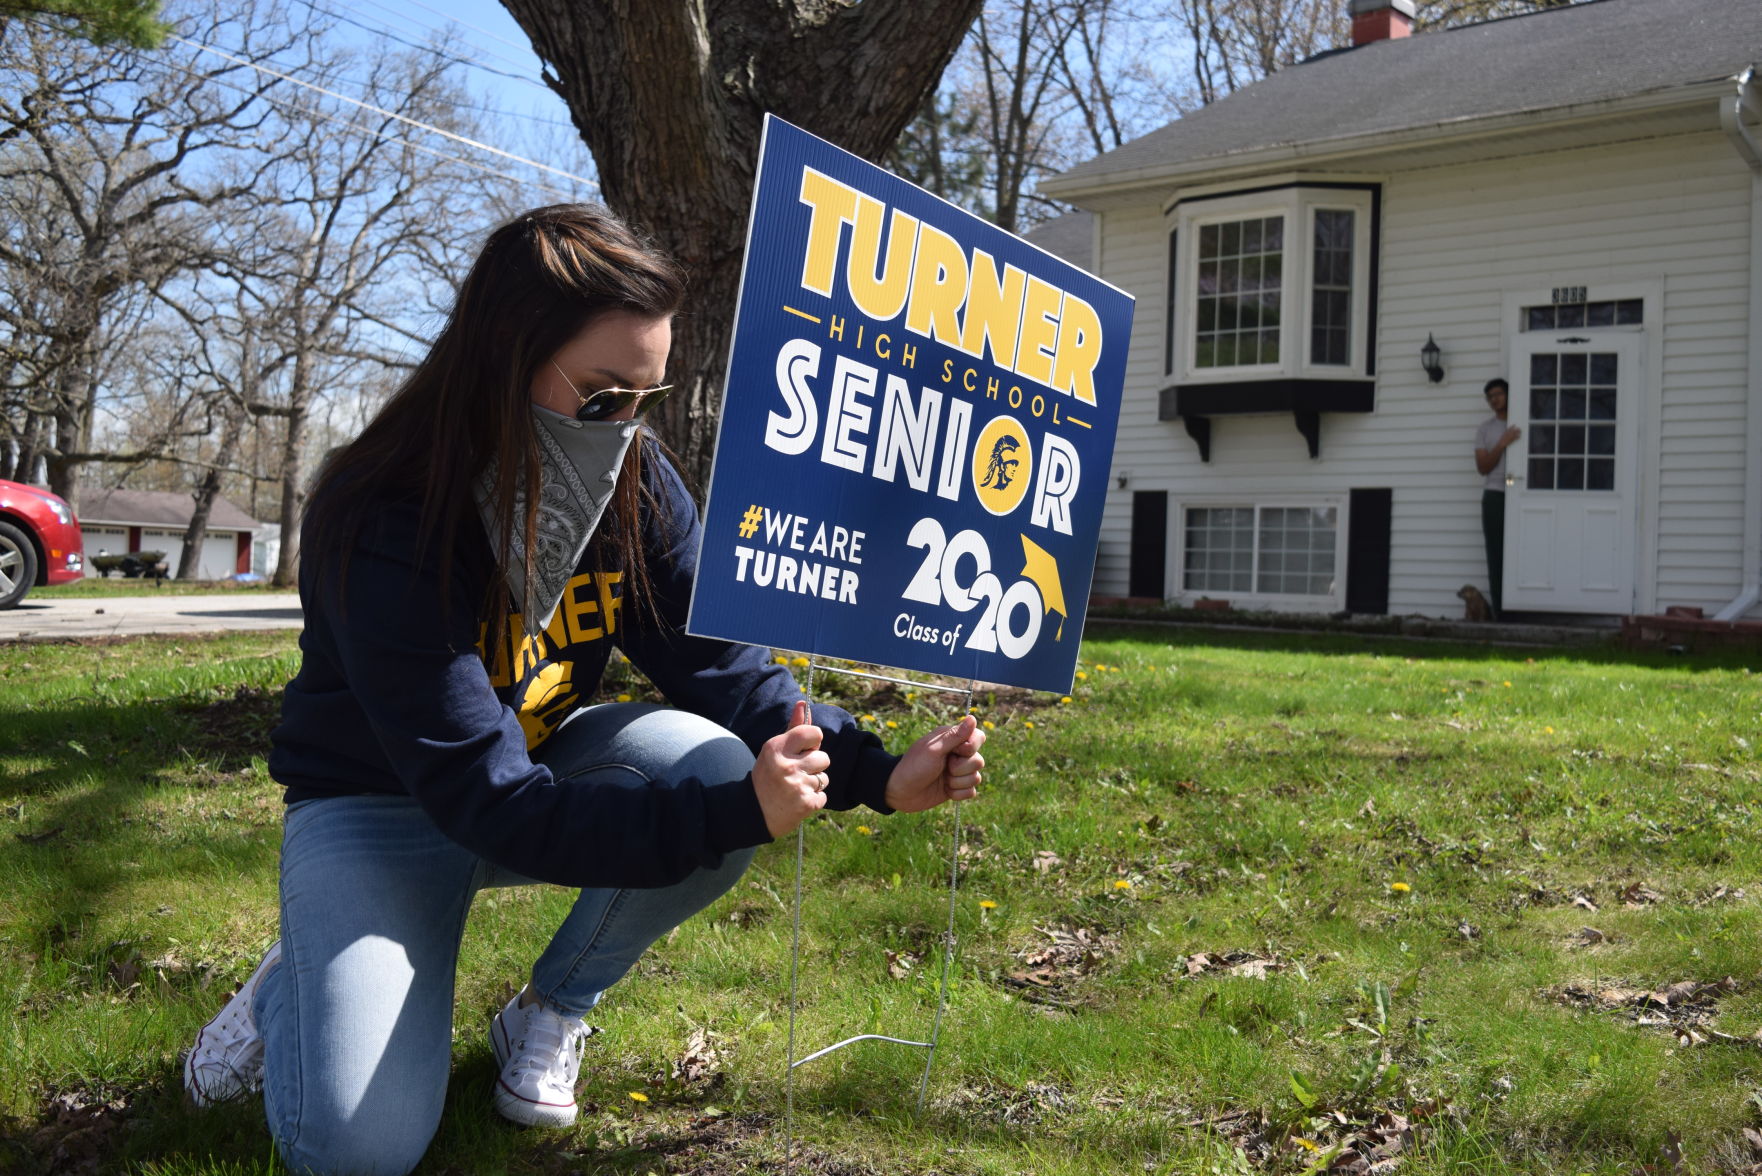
(1474, 605)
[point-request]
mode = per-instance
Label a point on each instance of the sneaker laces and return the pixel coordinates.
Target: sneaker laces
(550, 1042)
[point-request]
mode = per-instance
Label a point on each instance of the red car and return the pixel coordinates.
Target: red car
(39, 541)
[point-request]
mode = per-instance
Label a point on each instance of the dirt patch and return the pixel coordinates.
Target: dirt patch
(233, 729)
(79, 1133)
(1249, 965)
(1052, 968)
(1686, 1008)
(725, 1145)
(1032, 1104)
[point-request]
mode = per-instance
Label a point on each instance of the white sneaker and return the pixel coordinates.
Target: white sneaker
(227, 1059)
(539, 1051)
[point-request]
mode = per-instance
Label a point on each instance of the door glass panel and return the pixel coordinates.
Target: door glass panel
(1565, 452)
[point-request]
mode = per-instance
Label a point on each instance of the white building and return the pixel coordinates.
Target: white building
(1570, 199)
(121, 521)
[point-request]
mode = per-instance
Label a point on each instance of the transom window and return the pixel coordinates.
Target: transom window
(1608, 312)
(1258, 550)
(1270, 284)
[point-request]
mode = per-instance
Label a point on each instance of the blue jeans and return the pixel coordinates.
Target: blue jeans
(357, 1019)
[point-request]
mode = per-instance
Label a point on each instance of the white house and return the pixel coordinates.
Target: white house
(1570, 199)
(120, 521)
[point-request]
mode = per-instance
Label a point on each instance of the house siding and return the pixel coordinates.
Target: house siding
(1671, 215)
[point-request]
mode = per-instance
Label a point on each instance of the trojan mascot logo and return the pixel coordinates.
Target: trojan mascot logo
(1002, 465)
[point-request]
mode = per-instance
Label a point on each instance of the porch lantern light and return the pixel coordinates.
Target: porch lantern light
(1431, 359)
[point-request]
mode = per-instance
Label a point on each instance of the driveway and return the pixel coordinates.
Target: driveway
(46, 619)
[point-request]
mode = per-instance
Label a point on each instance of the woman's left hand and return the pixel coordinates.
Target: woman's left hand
(943, 765)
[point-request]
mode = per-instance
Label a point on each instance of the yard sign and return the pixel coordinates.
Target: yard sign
(916, 431)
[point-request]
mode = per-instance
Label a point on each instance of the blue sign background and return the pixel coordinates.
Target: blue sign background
(880, 493)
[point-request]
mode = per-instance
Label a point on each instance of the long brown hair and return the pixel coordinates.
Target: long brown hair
(539, 280)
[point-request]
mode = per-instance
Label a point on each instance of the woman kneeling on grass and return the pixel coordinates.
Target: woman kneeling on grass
(469, 562)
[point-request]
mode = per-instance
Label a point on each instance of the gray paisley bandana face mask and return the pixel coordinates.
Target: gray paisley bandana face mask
(578, 470)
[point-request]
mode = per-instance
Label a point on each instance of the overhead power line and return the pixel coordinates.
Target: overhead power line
(368, 132)
(381, 30)
(467, 24)
(441, 131)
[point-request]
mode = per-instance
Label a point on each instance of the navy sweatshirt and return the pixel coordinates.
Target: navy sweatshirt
(399, 694)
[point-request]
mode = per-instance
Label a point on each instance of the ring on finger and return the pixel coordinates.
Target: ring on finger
(823, 781)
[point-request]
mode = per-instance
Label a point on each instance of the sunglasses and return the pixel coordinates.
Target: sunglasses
(609, 402)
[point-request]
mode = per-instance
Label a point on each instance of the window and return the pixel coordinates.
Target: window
(1330, 316)
(1276, 284)
(1608, 312)
(1261, 550)
(1239, 292)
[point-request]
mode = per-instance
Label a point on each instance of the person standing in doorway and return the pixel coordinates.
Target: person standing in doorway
(1494, 436)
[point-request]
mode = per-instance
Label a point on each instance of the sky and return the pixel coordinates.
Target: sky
(519, 114)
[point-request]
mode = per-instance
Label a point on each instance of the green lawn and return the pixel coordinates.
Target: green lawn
(1246, 903)
(100, 586)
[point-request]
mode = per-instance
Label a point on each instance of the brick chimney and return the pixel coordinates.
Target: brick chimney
(1380, 20)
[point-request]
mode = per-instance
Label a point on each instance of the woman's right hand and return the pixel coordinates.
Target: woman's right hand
(790, 774)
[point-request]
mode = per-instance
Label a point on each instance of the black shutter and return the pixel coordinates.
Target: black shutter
(1367, 551)
(1150, 543)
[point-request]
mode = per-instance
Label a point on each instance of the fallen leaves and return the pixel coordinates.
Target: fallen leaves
(702, 1059)
(1244, 964)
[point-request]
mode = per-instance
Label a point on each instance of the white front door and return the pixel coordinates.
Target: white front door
(1571, 480)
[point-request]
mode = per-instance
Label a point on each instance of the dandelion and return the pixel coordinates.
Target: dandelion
(780, 660)
(1400, 887)
(1121, 884)
(911, 695)
(638, 1096)
(891, 725)
(798, 661)
(1029, 724)
(867, 719)
(985, 904)
(1065, 700)
(1507, 685)
(1081, 676)
(1547, 730)
(990, 726)
(865, 830)
(624, 698)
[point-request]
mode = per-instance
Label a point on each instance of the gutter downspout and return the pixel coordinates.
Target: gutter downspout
(1731, 117)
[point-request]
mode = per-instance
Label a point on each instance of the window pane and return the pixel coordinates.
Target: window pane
(1571, 474)
(1543, 370)
(1573, 368)
(1572, 404)
(1629, 311)
(1600, 314)
(1602, 404)
(1541, 473)
(1603, 367)
(1541, 318)
(1543, 402)
(1600, 473)
(1273, 235)
(1570, 314)
(1571, 439)
(1600, 439)
(1239, 301)
(1542, 440)
(1208, 241)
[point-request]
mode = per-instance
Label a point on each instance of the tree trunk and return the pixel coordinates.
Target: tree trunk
(293, 497)
(670, 96)
(207, 490)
